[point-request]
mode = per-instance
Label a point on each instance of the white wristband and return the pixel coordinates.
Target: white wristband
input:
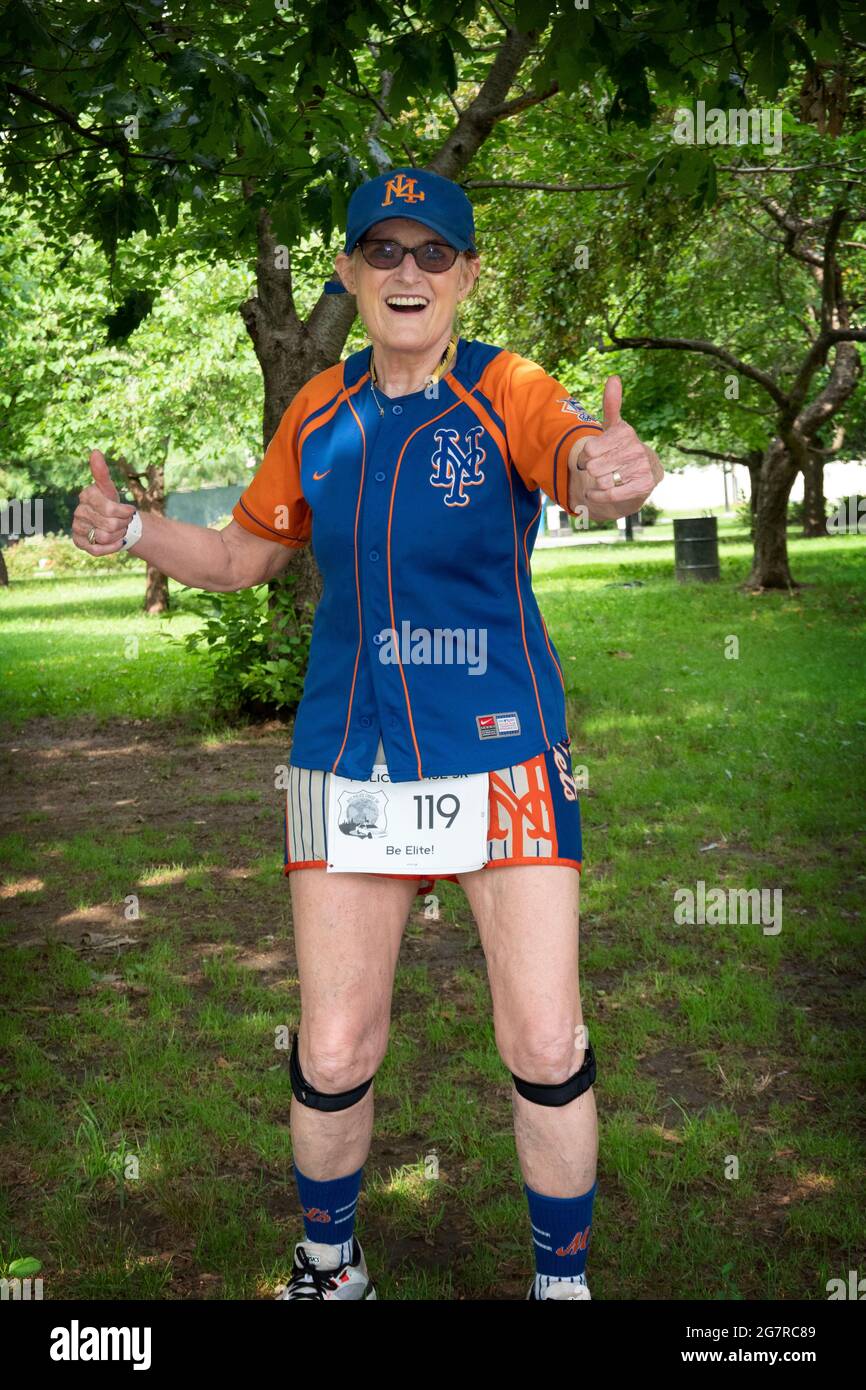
(133, 532)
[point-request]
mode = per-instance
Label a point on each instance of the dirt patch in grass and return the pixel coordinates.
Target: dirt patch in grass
(129, 773)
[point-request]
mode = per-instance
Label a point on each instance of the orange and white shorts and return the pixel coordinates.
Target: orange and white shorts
(533, 816)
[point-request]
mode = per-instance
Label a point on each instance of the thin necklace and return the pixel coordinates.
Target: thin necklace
(445, 362)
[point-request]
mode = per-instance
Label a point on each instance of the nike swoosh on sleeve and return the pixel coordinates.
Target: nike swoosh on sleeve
(318, 476)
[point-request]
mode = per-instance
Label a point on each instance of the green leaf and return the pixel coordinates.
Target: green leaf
(769, 64)
(445, 63)
(117, 213)
(287, 220)
(533, 14)
(124, 320)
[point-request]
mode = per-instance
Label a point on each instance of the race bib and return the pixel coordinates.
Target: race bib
(437, 825)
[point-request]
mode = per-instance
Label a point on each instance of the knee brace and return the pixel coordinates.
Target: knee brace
(321, 1100)
(564, 1091)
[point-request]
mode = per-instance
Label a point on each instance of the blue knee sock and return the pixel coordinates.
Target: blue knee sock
(329, 1210)
(561, 1230)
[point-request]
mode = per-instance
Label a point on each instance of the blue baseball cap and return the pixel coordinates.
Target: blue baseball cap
(409, 192)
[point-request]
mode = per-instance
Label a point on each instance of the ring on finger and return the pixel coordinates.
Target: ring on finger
(91, 536)
(617, 478)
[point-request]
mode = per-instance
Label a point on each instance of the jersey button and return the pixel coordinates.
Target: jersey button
(380, 477)
(366, 721)
(374, 554)
(397, 409)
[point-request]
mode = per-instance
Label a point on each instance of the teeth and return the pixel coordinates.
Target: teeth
(405, 299)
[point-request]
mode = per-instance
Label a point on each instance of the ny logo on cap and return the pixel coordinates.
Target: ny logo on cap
(402, 187)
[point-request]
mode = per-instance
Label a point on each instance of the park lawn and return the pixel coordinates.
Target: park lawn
(721, 1050)
(83, 645)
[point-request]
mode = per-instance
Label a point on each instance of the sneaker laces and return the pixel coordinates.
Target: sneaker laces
(308, 1281)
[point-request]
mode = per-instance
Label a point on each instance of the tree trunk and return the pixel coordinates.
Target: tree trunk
(148, 492)
(814, 504)
(289, 352)
(770, 569)
(4, 573)
(156, 598)
(754, 462)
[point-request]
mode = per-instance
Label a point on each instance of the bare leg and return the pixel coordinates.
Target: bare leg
(348, 929)
(528, 924)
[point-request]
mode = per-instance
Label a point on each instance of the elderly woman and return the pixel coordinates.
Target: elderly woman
(431, 740)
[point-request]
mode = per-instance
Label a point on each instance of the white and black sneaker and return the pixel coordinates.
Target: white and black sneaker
(318, 1273)
(564, 1291)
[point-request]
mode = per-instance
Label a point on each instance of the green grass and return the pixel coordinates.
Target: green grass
(85, 646)
(147, 1105)
(713, 712)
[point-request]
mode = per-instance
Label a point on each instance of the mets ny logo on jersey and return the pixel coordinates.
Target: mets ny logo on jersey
(453, 468)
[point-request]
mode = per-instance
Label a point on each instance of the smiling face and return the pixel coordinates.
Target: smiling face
(406, 309)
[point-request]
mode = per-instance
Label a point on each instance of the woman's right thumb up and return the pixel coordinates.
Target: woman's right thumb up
(102, 477)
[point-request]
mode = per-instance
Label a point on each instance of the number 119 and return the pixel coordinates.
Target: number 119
(446, 806)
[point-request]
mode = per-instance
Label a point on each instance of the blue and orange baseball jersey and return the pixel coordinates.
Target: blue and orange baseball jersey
(422, 522)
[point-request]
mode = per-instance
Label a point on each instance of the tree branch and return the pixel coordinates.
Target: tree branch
(511, 108)
(68, 118)
(832, 287)
(545, 187)
(478, 118)
(755, 374)
(714, 454)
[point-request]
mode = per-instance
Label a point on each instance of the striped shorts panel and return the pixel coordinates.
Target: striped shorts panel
(533, 816)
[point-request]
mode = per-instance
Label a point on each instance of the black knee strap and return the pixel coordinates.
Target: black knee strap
(564, 1091)
(321, 1100)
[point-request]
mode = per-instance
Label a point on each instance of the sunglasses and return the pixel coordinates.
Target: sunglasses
(386, 254)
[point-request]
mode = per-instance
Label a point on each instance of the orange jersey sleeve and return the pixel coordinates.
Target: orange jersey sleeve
(542, 422)
(273, 505)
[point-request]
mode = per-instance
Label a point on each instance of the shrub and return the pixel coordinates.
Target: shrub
(649, 514)
(797, 512)
(744, 513)
(255, 645)
(55, 553)
(576, 525)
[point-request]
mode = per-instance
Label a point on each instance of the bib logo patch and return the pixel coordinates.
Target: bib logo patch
(497, 725)
(362, 814)
(573, 407)
(455, 469)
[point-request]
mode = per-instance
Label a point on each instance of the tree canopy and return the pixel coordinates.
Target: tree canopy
(236, 133)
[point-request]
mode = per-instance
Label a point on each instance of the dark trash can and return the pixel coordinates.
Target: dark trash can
(696, 548)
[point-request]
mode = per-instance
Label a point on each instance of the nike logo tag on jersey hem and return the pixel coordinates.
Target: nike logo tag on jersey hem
(497, 725)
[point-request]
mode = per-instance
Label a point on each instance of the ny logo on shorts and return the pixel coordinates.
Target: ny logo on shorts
(453, 469)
